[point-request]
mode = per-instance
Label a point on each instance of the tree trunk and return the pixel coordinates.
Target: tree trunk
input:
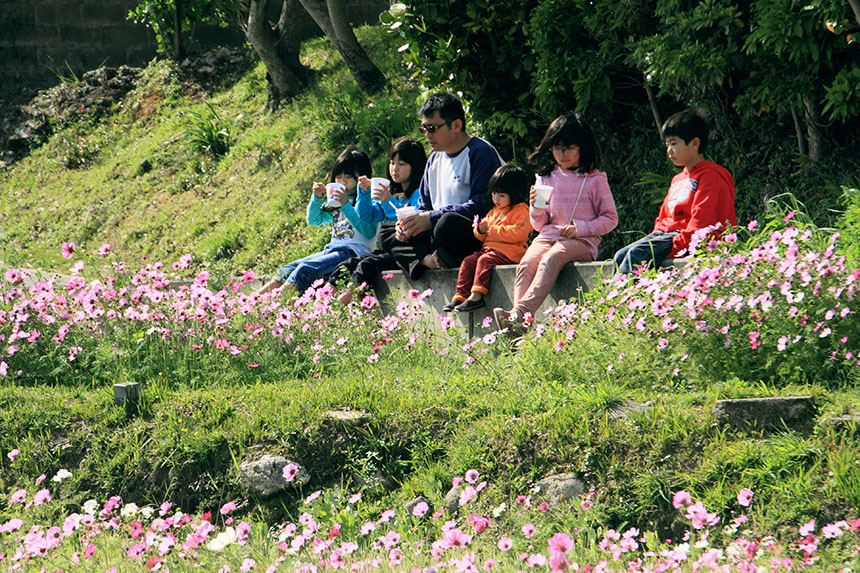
(283, 82)
(178, 16)
(798, 133)
(653, 103)
(330, 16)
(818, 146)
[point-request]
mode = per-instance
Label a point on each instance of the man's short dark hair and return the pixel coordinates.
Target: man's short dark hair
(448, 105)
(686, 125)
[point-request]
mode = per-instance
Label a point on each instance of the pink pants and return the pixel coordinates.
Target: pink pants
(539, 268)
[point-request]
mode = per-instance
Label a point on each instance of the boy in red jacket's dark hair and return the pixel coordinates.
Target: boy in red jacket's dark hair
(701, 195)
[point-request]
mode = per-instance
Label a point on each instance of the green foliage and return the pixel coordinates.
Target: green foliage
(850, 223)
(349, 117)
(208, 133)
(161, 17)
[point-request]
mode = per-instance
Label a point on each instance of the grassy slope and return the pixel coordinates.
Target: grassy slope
(517, 420)
(234, 213)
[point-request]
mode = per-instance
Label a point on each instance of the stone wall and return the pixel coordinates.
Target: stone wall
(38, 38)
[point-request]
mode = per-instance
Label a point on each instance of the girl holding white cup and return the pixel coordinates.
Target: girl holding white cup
(580, 209)
(381, 202)
(333, 204)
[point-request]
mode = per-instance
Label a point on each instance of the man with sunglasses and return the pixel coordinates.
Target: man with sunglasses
(452, 192)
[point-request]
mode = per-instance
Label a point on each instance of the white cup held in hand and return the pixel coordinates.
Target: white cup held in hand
(405, 212)
(330, 190)
(376, 185)
(542, 193)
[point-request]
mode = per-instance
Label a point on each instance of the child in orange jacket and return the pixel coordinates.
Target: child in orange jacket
(504, 232)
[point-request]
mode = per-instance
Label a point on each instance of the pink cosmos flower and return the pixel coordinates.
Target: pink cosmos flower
(468, 495)
(42, 497)
(228, 507)
(290, 471)
(528, 530)
(12, 455)
(104, 249)
(807, 528)
(505, 544)
(313, 496)
(4, 368)
(745, 497)
(559, 543)
(472, 476)
(558, 562)
(455, 538)
(67, 250)
(247, 564)
(681, 499)
(421, 508)
(355, 498)
(387, 516)
(20, 496)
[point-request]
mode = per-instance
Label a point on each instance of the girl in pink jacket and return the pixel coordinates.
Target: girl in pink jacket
(581, 209)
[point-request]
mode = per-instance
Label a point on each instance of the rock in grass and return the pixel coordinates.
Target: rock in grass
(561, 488)
(452, 501)
(774, 412)
(265, 476)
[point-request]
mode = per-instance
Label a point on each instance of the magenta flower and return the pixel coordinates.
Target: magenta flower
(505, 544)
(681, 499)
(290, 471)
(455, 538)
(67, 250)
(42, 497)
(20, 496)
(421, 508)
(560, 543)
(745, 497)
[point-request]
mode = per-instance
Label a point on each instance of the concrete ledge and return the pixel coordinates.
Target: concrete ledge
(575, 279)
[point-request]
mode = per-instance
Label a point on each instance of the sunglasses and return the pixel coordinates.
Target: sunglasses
(430, 128)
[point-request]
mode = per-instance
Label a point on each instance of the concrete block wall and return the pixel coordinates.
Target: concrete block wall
(38, 36)
(575, 278)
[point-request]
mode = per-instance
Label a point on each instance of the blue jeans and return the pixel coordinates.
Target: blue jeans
(303, 272)
(650, 250)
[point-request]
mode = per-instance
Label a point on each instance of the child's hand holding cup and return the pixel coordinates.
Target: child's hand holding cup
(336, 193)
(539, 195)
(380, 189)
(319, 190)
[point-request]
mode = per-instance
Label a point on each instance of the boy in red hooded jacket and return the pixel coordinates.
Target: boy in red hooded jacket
(700, 196)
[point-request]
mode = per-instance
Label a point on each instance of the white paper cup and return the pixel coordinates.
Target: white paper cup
(542, 193)
(405, 212)
(330, 189)
(376, 185)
